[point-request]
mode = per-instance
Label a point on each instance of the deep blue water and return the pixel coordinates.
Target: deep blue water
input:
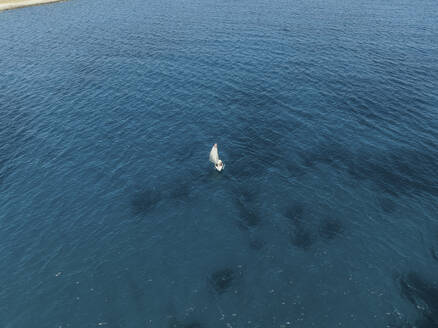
(326, 115)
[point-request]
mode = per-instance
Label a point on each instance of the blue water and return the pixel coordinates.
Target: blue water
(326, 116)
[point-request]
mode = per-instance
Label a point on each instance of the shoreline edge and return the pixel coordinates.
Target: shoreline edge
(8, 5)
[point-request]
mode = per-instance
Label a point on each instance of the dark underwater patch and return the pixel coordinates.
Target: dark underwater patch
(295, 213)
(395, 322)
(434, 253)
(184, 324)
(14, 135)
(302, 238)
(194, 324)
(222, 280)
(257, 146)
(245, 194)
(379, 172)
(330, 229)
(300, 235)
(397, 171)
(257, 244)
(329, 153)
(241, 169)
(137, 293)
(245, 200)
(145, 200)
(248, 216)
(401, 172)
(5, 170)
(179, 191)
(294, 169)
(386, 204)
(424, 296)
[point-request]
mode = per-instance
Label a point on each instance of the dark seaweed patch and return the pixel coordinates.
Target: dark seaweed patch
(245, 194)
(193, 325)
(179, 191)
(294, 169)
(396, 171)
(302, 238)
(15, 134)
(223, 279)
(434, 254)
(330, 229)
(402, 172)
(424, 296)
(395, 322)
(257, 146)
(182, 324)
(5, 170)
(381, 172)
(295, 213)
(178, 188)
(137, 294)
(300, 235)
(145, 200)
(245, 203)
(330, 153)
(243, 170)
(242, 226)
(248, 217)
(387, 205)
(256, 244)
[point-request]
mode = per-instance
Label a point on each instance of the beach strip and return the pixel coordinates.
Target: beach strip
(12, 4)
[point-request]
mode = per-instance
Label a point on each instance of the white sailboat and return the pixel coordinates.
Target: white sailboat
(214, 158)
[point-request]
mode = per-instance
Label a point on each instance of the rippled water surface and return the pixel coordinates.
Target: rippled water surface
(326, 115)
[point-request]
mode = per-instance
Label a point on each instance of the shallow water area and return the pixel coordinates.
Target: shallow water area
(325, 113)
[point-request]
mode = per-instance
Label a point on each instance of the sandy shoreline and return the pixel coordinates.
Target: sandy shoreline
(12, 4)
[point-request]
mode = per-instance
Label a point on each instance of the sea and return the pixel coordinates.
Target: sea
(325, 113)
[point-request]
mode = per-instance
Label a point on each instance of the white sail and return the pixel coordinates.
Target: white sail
(214, 156)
